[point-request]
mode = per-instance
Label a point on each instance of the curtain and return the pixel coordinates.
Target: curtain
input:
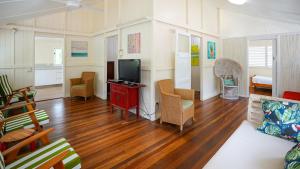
(236, 49)
(288, 69)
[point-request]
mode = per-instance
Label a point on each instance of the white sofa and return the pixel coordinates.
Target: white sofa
(248, 148)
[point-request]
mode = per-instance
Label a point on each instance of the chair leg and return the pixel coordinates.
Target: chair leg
(194, 119)
(85, 98)
(181, 127)
(161, 121)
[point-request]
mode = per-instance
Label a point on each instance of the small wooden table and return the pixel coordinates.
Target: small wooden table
(16, 135)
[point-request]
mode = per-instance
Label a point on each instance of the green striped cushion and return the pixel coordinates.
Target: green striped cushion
(2, 163)
(35, 159)
(5, 86)
(30, 94)
(26, 122)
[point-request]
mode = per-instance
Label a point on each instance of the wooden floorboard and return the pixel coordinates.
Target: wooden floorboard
(103, 140)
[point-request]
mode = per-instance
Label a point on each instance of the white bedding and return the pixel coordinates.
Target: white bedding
(262, 80)
(247, 148)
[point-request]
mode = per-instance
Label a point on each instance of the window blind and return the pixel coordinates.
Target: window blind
(260, 56)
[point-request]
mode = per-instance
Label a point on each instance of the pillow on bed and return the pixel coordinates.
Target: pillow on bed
(292, 158)
(281, 119)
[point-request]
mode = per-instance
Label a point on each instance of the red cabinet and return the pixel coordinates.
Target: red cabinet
(125, 97)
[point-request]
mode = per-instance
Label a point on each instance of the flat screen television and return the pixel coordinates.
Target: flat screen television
(130, 70)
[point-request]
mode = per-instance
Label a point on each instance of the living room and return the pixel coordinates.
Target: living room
(146, 48)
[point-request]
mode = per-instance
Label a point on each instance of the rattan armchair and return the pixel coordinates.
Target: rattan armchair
(83, 86)
(176, 105)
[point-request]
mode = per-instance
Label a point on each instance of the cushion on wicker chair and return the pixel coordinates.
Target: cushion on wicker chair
(186, 104)
(35, 159)
(26, 122)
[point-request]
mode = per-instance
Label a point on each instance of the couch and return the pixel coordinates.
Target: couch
(248, 148)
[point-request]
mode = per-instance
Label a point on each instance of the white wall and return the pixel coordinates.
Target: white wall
(234, 24)
(260, 71)
(17, 64)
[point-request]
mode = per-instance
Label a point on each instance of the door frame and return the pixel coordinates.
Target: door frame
(176, 52)
(275, 44)
(106, 36)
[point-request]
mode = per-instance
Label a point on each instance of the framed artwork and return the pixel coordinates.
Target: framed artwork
(211, 50)
(134, 43)
(79, 49)
(195, 55)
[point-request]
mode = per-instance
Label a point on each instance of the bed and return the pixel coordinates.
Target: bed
(261, 82)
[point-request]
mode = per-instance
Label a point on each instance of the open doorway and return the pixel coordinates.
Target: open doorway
(112, 59)
(260, 57)
(49, 69)
(195, 61)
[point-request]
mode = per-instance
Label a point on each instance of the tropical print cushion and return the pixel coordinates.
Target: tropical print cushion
(281, 119)
(292, 158)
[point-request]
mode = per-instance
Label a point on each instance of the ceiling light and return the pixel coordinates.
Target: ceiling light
(237, 2)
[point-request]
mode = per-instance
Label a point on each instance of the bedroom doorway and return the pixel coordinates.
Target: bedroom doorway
(112, 60)
(261, 54)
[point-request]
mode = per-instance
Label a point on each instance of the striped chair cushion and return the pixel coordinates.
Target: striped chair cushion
(5, 86)
(30, 95)
(35, 159)
(2, 163)
(26, 122)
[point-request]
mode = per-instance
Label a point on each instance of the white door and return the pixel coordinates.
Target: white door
(183, 61)
(24, 59)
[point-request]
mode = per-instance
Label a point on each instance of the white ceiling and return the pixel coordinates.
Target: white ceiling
(11, 10)
(280, 10)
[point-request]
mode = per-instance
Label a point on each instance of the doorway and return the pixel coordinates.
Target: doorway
(195, 62)
(262, 78)
(49, 67)
(112, 59)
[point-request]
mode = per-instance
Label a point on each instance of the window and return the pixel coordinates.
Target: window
(58, 57)
(260, 56)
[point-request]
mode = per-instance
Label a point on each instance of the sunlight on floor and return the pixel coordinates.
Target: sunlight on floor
(49, 92)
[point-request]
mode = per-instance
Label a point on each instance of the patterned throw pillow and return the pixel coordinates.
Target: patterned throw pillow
(281, 119)
(292, 158)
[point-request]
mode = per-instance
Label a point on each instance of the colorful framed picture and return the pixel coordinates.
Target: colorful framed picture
(211, 50)
(195, 55)
(79, 49)
(134, 43)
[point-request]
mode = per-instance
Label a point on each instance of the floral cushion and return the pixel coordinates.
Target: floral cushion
(281, 119)
(292, 158)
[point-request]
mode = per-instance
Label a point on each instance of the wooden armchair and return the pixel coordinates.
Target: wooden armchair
(84, 86)
(8, 96)
(58, 154)
(177, 105)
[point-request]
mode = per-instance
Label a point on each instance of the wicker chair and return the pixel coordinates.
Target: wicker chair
(84, 86)
(177, 105)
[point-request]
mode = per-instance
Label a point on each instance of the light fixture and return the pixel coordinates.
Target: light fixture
(237, 2)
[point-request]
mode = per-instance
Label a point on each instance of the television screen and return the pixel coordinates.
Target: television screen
(130, 70)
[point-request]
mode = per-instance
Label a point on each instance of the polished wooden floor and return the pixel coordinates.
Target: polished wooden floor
(260, 91)
(103, 140)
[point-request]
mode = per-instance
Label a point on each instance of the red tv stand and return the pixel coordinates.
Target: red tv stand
(125, 97)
